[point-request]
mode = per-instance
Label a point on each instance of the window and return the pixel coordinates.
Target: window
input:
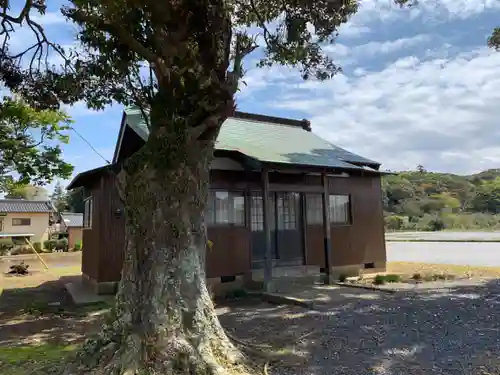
(257, 211)
(225, 207)
(340, 209)
(21, 222)
(88, 210)
(314, 206)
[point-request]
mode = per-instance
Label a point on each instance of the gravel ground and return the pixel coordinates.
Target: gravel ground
(451, 331)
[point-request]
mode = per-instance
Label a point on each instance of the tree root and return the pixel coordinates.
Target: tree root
(262, 351)
(175, 355)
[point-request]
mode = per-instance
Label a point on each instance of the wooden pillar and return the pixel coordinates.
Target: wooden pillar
(326, 228)
(268, 257)
(303, 225)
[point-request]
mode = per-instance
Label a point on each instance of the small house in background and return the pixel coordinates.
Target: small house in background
(20, 219)
(72, 224)
(321, 199)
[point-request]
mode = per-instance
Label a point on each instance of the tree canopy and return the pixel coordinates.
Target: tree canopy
(180, 63)
(28, 192)
(29, 149)
(462, 202)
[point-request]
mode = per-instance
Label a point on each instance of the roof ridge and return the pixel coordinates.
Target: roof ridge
(25, 200)
(304, 124)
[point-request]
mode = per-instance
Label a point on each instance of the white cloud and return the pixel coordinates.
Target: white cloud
(345, 55)
(352, 29)
(388, 10)
(441, 113)
(391, 46)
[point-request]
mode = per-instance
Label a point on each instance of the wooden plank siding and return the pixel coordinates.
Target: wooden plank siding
(92, 246)
(358, 243)
(112, 231)
(362, 241)
(230, 254)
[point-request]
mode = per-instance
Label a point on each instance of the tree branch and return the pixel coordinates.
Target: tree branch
(121, 32)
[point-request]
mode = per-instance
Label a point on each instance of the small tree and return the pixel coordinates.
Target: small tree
(27, 153)
(421, 169)
(75, 200)
(60, 198)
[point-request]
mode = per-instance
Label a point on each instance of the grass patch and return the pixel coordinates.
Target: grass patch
(32, 359)
(389, 278)
(43, 308)
(379, 280)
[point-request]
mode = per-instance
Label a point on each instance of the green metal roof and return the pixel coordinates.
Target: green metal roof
(271, 142)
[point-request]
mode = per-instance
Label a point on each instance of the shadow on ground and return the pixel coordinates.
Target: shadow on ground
(44, 314)
(450, 331)
(447, 331)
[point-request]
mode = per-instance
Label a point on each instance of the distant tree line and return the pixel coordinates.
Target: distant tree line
(421, 200)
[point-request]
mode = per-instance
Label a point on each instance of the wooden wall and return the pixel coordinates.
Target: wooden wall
(362, 241)
(102, 255)
(91, 236)
(230, 255)
(358, 243)
(112, 231)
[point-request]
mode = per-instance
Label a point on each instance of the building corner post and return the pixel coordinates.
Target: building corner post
(268, 259)
(326, 229)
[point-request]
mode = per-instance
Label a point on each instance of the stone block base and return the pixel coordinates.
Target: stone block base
(292, 272)
(356, 270)
(220, 289)
(100, 288)
(283, 277)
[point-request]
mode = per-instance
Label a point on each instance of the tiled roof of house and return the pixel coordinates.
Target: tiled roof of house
(72, 219)
(21, 205)
(268, 139)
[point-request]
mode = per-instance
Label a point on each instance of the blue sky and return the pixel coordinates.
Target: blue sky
(419, 86)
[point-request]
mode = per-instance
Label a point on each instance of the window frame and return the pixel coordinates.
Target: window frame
(211, 217)
(21, 219)
(87, 218)
(349, 209)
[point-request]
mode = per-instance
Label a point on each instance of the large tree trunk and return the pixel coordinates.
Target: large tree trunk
(164, 321)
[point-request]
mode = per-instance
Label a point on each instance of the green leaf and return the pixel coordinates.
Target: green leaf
(29, 147)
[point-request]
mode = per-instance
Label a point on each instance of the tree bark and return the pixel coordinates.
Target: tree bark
(164, 320)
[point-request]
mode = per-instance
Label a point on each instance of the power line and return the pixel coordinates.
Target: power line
(92, 147)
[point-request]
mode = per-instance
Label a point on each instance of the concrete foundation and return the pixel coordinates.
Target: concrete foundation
(100, 288)
(220, 289)
(82, 293)
(253, 280)
(356, 270)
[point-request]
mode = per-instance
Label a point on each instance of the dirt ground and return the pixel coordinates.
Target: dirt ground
(37, 308)
(411, 268)
(449, 331)
(38, 320)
